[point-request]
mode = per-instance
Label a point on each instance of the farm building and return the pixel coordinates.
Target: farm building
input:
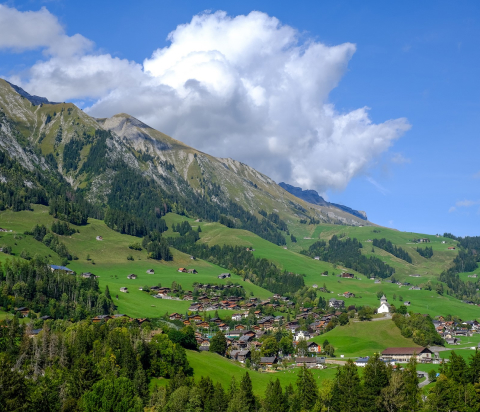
(124, 290)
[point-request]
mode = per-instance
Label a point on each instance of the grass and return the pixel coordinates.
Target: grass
(364, 338)
(422, 301)
(221, 369)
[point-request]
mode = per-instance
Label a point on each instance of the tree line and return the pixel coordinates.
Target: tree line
(347, 253)
(389, 247)
(426, 253)
(241, 262)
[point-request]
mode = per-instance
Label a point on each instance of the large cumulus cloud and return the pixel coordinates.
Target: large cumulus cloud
(245, 87)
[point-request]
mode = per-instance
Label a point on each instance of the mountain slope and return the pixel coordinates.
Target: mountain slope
(90, 160)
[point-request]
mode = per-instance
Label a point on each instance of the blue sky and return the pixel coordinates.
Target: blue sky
(413, 60)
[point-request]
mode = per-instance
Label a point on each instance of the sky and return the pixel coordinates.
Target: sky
(375, 105)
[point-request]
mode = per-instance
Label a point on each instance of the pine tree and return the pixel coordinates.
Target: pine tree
(307, 391)
(410, 380)
(246, 391)
(375, 378)
(346, 391)
(474, 368)
(274, 398)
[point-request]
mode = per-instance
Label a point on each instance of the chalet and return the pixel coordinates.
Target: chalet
(186, 322)
(150, 272)
(131, 276)
(195, 318)
(192, 271)
(268, 361)
(347, 275)
(279, 319)
(362, 362)
(302, 335)
(244, 340)
(314, 347)
(406, 303)
(124, 290)
(88, 275)
(205, 345)
(34, 333)
(182, 270)
(46, 317)
(335, 303)
(453, 341)
(310, 362)
(241, 355)
(403, 355)
(224, 327)
(348, 295)
(472, 276)
(175, 316)
(424, 240)
(240, 327)
(203, 325)
(99, 238)
(101, 318)
(23, 311)
(224, 276)
(53, 268)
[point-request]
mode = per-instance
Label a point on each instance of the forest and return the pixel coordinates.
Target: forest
(392, 249)
(347, 253)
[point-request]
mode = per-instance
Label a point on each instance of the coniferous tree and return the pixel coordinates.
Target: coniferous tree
(375, 378)
(274, 398)
(346, 390)
(307, 391)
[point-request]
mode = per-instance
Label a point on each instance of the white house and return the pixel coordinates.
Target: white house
(384, 305)
(302, 335)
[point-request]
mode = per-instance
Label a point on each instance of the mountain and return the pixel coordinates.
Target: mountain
(312, 196)
(116, 162)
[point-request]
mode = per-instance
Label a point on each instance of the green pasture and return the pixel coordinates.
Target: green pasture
(221, 370)
(364, 338)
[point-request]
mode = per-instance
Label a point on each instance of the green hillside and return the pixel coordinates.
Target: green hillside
(364, 338)
(109, 261)
(423, 301)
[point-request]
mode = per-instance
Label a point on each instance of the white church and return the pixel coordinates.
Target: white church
(384, 305)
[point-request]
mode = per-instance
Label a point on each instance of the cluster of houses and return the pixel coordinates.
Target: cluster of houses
(453, 331)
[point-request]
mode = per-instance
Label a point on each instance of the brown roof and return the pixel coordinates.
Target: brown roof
(406, 351)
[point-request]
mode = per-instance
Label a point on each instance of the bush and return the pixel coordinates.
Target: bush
(7, 249)
(135, 246)
(130, 257)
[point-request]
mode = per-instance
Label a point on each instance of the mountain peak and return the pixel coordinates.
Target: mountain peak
(312, 196)
(36, 100)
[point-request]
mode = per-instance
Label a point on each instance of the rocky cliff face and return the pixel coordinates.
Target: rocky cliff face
(68, 134)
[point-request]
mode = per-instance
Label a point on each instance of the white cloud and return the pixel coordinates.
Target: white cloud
(21, 31)
(463, 203)
(242, 87)
(399, 159)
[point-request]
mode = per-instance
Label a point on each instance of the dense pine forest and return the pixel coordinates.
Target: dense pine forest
(347, 252)
(392, 249)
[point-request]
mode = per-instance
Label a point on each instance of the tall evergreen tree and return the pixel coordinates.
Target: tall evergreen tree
(346, 391)
(410, 379)
(375, 378)
(307, 391)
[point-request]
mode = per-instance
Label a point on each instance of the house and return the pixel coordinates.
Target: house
(406, 303)
(317, 257)
(451, 248)
(237, 317)
(132, 276)
(224, 327)
(424, 240)
(310, 362)
(203, 325)
(384, 305)
(302, 335)
(192, 257)
(205, 345)
(182, 270)
(347, 275)
(192, 271)
(224, 275)
(88, 275)
(472, 276)
(243, 355)
(453, 341)
(46, 317)
(244, 340)
(34, 333)
(99, 238)
(195, 318)
(240, 327)
(63, 268)
(348, 295)
(175, 316)
(268, 361)
(335, 303)
(101, 318)
(315, 286)
(23, 311)
(362, 361)
(150, 272)
(314, 347)
(124, 290)
(403, 355)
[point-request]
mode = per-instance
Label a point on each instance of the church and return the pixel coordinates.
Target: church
(384, 305)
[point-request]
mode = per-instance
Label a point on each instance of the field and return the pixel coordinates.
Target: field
(108, 259)
(221, 369)
(364, 338)
(365, 290)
